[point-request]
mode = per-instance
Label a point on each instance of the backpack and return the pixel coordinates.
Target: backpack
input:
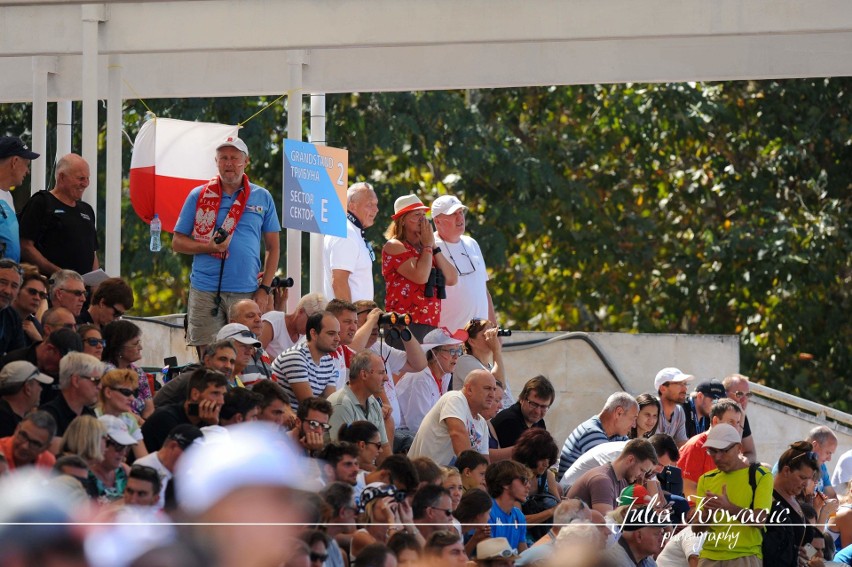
(537, 502)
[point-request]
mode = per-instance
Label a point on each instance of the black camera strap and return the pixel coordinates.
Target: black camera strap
(218, 299)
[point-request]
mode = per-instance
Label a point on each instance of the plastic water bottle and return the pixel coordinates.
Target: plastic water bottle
(156, 227)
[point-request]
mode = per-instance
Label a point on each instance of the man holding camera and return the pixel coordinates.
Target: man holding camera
(222, 224)
(469, 298)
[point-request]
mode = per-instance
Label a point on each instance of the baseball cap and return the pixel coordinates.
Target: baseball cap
(19, 371)
(442, 337)
(65, 340)
(254, 454)
(670, 374)
(117, 430)
(446, 205)
(495, 548)
(722, 436)
(184, 435)
(12, 146)
(239, 333)
(233, 142)
(712, 389)
(406, 204)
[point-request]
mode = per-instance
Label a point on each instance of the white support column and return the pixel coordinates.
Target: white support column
(317, 266)
(64, 129)
(92, 15)
(112, 246)
(42, 66)
(295, 60)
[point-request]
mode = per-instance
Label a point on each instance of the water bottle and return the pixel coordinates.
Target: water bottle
(155, 234)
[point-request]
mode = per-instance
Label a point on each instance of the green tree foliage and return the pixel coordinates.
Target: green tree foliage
(677, 208)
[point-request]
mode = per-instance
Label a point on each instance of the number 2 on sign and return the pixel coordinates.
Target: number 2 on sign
(340, 177)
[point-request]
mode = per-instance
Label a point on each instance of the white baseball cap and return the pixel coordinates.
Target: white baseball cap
(233, 142)
(722, 436)
(117, 430)
(239, 333)
(670, 374)
(446, 205)
(442, 337)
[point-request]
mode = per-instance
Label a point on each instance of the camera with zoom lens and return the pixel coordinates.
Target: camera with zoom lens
(394, 319)
(436, 284)
(504, 332)
(281, 282)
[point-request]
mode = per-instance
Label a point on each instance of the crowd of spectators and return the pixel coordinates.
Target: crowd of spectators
(342, 434)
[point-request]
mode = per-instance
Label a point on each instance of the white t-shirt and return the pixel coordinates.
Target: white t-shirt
(433, 438)
(281, 340)
(468, 299)
(594, 457)
(153, 461)
(680, 548)
(394, 359)
(418, 393)
(352, 255)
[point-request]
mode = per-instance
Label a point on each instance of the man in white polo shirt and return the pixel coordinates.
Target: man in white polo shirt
(349, 260)
(469, 298)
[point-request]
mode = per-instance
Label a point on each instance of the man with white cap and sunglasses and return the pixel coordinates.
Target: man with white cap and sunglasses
(469, 298)
(20, 391)
(670, 384)
(222, 225)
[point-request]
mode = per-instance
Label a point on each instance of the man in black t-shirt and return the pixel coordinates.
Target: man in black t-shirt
(57, 227)
(535, 399)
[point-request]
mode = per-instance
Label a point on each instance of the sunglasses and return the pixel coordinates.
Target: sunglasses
(117, 313)
(33, 291)
(810, 456)
(93, 342)
(126, 391)
(115, 444)
(248, 334)
(740, 394)
(315, 424)
(77, 292)
(712, 452)
(318, 557)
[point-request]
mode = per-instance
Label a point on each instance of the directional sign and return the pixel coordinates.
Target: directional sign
(315, 182)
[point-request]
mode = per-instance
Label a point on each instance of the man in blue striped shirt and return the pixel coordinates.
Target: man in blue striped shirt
(614, 422)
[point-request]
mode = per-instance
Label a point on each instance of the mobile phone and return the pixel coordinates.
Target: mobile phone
(192, 409)
(810, 550)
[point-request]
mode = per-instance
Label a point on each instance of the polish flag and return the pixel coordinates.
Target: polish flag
(170, 158)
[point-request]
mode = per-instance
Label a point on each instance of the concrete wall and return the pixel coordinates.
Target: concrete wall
(582, 380)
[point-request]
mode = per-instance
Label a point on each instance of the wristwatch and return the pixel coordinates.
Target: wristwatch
(265, 288)
(436, 250)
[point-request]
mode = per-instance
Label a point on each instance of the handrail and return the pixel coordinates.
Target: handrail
(818, 410)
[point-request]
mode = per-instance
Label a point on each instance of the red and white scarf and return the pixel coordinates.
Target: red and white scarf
(208, 207)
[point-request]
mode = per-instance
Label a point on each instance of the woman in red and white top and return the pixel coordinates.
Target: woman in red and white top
(407, 261)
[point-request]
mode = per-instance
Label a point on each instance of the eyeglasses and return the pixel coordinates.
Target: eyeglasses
(377, 444)
(453, 351)
(95, 379)
(318, 556)
(711, 451)
(524, 480)
(93, 342)
(33, 291)
(740, 394)
(446, 511)
(117, 313)
(115, 444)
(76, 292)
(465, 254)
(125, 391)
(537, 406)
(315, 424)
(35, 444)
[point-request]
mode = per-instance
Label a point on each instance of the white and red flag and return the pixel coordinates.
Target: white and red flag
(170, 158)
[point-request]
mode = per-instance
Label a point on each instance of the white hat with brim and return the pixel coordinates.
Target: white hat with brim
(238, 332)
(20, 371)
(117, 430)
(722, 436)
(446, 205)
(233, 142)
(671, 374)
(495, 548)
(406, 204)
(440, 337)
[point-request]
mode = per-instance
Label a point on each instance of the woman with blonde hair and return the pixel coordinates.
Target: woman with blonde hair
(118, 390)
(86, 438)
(410, 260)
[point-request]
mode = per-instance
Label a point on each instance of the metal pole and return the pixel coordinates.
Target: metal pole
(112, 248)
(295, 60)
(317, 267)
